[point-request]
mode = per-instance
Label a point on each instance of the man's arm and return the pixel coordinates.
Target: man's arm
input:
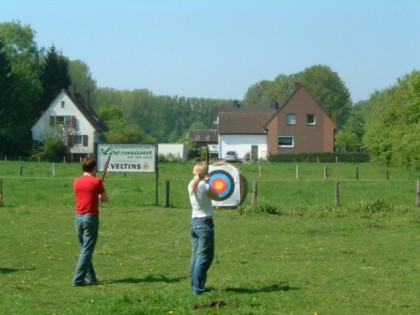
(103, 197)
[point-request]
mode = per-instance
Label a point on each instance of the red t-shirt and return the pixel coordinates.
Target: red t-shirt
(86, 193)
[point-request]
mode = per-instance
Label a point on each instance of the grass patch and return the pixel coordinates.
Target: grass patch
(295, 253)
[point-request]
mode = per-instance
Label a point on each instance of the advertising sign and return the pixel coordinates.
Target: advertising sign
(125, 158)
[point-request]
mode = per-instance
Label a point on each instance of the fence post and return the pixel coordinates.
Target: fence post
(387, 175)
(167, 194)
(254, 193)
(20, 170)
(418, 193)
(357, 172)
(337, 193)
(297, 171)
(259, 168)
(53, 169)
(325, 172)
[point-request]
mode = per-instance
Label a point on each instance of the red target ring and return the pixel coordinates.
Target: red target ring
(222, 182)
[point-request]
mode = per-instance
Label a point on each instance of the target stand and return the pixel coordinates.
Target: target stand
(229, 183)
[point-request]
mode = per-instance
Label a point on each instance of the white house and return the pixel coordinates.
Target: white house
(241, 129)
(69, 115)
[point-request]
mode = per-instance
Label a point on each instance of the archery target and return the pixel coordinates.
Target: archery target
(225, 179)
(222, 182)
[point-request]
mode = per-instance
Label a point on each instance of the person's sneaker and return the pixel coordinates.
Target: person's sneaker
(91, 282)
(205, 290)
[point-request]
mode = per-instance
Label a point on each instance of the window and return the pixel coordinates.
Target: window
(290, 119)
(310, 119)
(286, 142)
(80, 140)
(68, 121)
(77, 140)
(63, 104)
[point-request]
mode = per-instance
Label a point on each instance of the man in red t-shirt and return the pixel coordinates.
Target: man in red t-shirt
(88, 191)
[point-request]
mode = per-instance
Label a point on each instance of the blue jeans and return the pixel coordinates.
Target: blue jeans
(87, 227)
(202, 239)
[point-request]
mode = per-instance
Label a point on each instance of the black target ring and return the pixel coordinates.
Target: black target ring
(223, 183)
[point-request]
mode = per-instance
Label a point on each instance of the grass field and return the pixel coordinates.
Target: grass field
(311, 258)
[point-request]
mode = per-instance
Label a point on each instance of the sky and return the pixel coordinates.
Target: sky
(219, 48)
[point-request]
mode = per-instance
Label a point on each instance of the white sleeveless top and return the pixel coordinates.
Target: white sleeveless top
(200, 201)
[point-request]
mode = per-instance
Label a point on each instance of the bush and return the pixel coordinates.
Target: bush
(321, 157)
(264, 208)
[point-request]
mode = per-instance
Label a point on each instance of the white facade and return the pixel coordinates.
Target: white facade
(177, 150)
(64, 117)
(243, 144)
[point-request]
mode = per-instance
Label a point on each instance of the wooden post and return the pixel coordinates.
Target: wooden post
(357, 172)
(418, 193)
(53, 169)
(259, 168)
(325, 172)
(337, 193)
(167, 194)
(297, 171)
(387, 175)
(20, 170)
(254, 193)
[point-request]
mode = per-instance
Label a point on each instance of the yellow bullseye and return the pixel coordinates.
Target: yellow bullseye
(219, 185)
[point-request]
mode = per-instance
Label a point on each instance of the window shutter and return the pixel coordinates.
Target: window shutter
(73, 121)
(85, 140)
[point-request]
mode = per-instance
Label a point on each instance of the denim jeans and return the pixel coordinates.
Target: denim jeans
(87, 227)
(202, 239)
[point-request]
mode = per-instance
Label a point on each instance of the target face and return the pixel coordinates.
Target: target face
(223, 183)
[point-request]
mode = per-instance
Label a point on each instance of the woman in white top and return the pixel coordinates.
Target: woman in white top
(201, 227)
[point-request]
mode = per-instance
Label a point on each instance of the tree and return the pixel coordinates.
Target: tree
(22, 52)
(324, 85)
(6, 99)
(119, 131)
(81, 77)
(54, 77)
(328, 90)
(393, 139)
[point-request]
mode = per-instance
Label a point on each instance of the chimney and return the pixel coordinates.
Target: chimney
(274, 104)
(72, 90)
(236, 104)
(87, 98)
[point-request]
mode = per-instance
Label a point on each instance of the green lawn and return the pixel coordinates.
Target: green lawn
(313, 258)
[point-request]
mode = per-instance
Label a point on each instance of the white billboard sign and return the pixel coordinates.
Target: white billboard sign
(127, 158)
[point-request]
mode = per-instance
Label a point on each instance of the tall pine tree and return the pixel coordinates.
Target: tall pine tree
(54, 77)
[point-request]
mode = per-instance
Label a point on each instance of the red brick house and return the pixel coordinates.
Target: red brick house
(300, 125)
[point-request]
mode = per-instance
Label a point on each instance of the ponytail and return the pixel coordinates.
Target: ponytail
(200, 172)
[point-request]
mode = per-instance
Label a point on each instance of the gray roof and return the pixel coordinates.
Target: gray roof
(243, 122)
(89, 113)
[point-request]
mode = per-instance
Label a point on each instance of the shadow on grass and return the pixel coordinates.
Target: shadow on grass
(10, 270)
(148, 279)
(282, 286)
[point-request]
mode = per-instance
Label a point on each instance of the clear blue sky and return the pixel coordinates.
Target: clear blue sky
(219, 48)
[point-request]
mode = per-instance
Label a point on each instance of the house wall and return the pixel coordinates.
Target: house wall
(242, 145)
(176, 149)
(307, 138)
(42, 129)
